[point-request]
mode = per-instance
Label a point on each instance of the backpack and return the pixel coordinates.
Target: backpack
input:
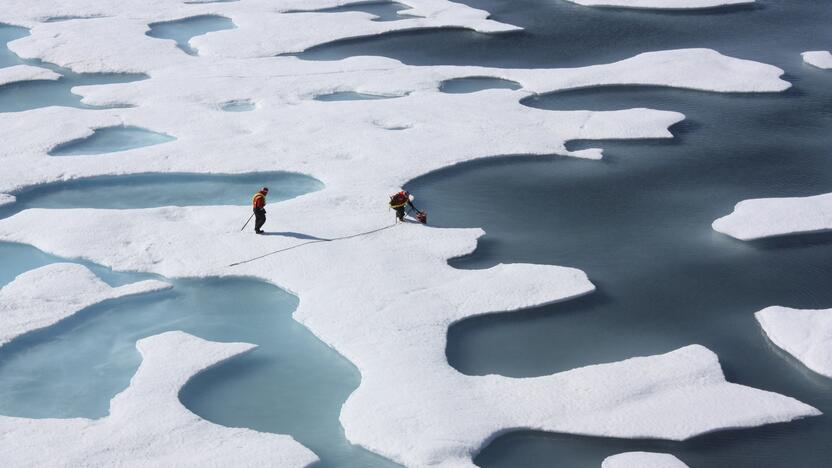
(398, 199)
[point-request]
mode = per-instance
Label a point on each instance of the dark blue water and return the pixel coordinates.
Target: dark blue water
(182, 31)
(27, 95)
(559, 34)
(638, 223)
(384, 11)
(476, 83)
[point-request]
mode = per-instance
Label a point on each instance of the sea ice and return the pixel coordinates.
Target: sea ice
(382, 295)
(18, 73)
(182, 31)
(182, 101)
(147, 424)
(44, 296)
(383, 10)
(805, 334)
(768, 217)
(264, 29)
(662, 4)
(403, 364)
(818, 58)
(642, 460)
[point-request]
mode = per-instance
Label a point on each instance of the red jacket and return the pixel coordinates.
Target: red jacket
(258, 201)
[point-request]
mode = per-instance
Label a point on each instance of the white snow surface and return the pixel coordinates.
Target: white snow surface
(805, 334)
(642, 460)
(818, 58)
(18, 73)
(383, 299)
(662, 4)
(147, 424)
(291, 131)
(44, 296)
(264, 28)
(768, 217)
(6, 199)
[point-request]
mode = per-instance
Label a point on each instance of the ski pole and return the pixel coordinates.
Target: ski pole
(247, 221)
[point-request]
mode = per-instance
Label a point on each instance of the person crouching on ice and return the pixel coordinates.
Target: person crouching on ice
(258, 204)
(401, 200)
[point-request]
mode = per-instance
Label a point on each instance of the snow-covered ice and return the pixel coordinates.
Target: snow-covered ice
(402, 361)
(147, 424)
(6, 199)
(44, 296)
(381, 295)
(662, 4)
(183, 102)
(767, 217)
(263, 29)
(818, 58)
(805, 334)
(642, 460)
(18, 73)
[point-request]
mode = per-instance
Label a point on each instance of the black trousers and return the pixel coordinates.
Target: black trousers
(259, 219)
(400, 213)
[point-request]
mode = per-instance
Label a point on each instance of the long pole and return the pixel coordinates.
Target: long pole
(247, 221)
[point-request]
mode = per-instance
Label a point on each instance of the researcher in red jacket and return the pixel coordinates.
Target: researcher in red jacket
(258, 204)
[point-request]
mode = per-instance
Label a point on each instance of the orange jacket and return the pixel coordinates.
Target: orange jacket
(258, 201)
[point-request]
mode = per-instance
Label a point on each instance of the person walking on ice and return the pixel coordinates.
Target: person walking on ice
(400, 201)
(258, 204)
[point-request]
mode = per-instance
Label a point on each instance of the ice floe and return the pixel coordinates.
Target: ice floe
(818, 58)
(264, 29)
(395, 280)
(147, 424)
(18, 73)
(182, 101)
(767, 217)
(44, 296)
(662, 4)
(642, 460)
(805, 334)
(383, 295)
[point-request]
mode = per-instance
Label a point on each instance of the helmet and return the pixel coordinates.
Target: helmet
(264, 190)
(411, 197)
